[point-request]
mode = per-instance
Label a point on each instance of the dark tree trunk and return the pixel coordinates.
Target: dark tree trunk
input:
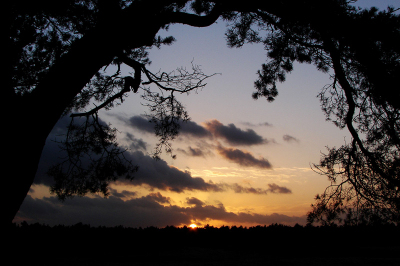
(23, 148)
(31, 118)
(38, 113)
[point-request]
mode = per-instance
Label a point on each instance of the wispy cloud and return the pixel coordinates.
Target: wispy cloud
(272, 188)
(195, 152)
(289, 138)
(265, 124)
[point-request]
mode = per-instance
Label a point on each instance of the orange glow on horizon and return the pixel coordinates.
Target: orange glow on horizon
(193, 226)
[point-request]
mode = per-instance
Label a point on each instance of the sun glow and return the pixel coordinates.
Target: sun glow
(193, 226)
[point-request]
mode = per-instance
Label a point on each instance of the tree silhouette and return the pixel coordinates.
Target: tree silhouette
(361, 52)
(59, 52)
(364, 98)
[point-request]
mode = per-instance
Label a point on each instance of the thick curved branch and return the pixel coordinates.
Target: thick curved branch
(195, 20)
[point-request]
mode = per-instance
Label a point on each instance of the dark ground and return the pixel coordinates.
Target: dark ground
(83, 245)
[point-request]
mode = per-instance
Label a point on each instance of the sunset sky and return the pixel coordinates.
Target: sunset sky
(239, 161)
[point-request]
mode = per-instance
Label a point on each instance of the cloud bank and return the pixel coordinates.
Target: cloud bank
(157, 174)
(127, 208)
(150, 210)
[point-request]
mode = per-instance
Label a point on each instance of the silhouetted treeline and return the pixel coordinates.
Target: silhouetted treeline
(233, 236)
(261, 242)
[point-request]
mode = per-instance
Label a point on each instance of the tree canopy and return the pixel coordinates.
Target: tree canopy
(60, 54)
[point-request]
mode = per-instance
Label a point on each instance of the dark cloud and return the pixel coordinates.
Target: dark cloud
(158, 174)
(122, 194)
(155, 174)
(193, 129)
(157, 197)
(143, 211)
(53, 154)
(136, 144)
(234, 135)
(194, 201)
(243, 158)
(141, 123)
(152, 173)
(274, 188)
(289, 138)
(230, 133)
(189, 128)
(113, 211)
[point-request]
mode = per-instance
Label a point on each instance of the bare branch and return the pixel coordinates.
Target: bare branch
(179, 80)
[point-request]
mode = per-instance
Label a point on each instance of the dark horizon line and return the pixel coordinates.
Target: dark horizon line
(81, 225)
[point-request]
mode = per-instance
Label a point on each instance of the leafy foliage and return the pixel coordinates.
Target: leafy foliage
(40, 33)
